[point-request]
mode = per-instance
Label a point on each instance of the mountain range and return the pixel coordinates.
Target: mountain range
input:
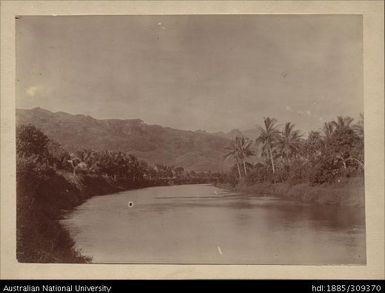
(193, 150)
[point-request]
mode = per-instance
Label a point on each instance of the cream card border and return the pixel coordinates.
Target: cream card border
(373, 20)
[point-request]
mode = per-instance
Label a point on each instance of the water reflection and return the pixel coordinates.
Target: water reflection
(186, 224)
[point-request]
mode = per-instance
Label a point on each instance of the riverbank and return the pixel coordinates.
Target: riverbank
(347, 192)
(43, 199)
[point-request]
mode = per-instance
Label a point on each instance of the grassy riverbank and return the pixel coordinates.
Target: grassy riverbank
(346, 192)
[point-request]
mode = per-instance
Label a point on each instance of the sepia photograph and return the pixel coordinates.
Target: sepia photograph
(190, 139)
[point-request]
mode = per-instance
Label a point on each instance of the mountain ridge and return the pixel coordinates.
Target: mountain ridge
(193, 150)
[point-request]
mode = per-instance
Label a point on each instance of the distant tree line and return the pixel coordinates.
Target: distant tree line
(38, 151)
(284, 155)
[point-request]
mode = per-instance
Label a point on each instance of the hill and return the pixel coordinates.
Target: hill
(250, 133)
(193, 150)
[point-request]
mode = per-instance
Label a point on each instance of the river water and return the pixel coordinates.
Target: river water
(203, 224)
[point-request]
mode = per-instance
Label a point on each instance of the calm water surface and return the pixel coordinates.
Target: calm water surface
(203, 224)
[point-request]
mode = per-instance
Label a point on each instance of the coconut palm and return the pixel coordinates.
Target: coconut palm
(359, 127)
(234, 153)
(342, 122)
(244, 145)
(328, 130)
(289, 142)
(313, 145)
(331, 127)
(268, 136)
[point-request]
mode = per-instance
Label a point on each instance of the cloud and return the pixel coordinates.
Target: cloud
(300, 112)
(33, 90)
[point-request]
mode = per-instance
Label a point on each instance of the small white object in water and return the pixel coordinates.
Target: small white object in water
(130, 204)
(216, 192)
(219, 250)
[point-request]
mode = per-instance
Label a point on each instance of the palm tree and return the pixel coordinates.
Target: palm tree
(328, 130)
(244, 145)
(342, 122)
(331, 127)
(359, 127)
(234, 152)
(312, 146)
(289, 142)
(268, 136)
(327, 133)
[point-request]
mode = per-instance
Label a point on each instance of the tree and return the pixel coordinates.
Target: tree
(134, 169)
(74, 161)
(346, 141)
(234, 153)
(289, 142)
(244, 150)
(30, 141)
(343, 144)
(312, 147)
(342, 122)
(268, 136)
(359, 127)
(179, 171)
(328, 130)
(58, 156)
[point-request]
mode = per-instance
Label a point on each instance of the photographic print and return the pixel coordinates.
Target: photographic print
(190, 139)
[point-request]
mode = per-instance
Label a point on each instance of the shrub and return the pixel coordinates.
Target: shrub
(299, 172)
(327, 171)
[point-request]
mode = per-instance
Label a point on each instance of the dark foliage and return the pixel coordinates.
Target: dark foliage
(318, 159)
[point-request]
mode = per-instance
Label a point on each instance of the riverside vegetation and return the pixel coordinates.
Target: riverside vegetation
(325, 167)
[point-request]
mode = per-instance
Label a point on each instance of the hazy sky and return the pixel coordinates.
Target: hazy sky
(193, 72)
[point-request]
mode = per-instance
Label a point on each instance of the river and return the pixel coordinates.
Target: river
(203, 224)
